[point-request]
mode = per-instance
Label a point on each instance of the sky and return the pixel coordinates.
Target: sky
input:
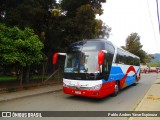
(128, 16)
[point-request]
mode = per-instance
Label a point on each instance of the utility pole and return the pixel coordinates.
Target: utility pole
(158, 15)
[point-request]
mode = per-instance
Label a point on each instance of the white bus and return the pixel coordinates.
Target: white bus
(96, 68)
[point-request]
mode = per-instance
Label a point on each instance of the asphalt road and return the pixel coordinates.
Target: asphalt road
(127, 100)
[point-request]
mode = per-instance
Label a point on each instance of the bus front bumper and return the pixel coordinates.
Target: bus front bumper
(86, 93)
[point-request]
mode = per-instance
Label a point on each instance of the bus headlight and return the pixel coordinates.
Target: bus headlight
(64, 85)
(96, 87)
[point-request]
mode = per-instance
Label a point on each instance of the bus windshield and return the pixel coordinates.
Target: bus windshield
(84, 59)
(84, 62)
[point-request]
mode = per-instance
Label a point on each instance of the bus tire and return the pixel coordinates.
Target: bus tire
(116, 89)
(135, 82)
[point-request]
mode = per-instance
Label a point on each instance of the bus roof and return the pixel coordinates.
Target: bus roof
(91, 40)
(128, 52)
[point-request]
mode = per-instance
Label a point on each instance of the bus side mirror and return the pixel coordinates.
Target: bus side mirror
(101, 55)
(55, 57)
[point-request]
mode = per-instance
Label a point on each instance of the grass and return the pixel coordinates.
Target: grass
(7, 78)
(14, 78)
(38, 77)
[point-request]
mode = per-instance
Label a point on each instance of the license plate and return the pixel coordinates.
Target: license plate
(78, 92)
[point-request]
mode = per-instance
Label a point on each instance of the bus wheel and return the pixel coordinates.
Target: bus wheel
(135, 82)
(116, 89)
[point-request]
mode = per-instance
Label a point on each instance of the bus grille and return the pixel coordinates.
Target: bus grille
(79, 88)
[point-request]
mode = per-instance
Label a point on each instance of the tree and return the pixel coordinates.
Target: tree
(70, 6)
(19, 47)
(149, 58)
(56, 24)
(102, 30)
(30, 13)
(85, 19)
(154, 64)
(39, 15)
(134, 46)
(79, 20)
(59, 23)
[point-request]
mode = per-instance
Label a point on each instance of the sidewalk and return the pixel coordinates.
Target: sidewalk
(150, 102)
(31, 92)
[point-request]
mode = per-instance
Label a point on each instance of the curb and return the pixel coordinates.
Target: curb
(36, 94)
(143, 99)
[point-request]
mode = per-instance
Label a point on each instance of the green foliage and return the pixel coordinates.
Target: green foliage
(134, 46)
(19, 46)
(26, 13)
(57, 25)
(154, 64)
(86, 18)
(133, 43)
(102, 30)
(55, 12)
(79, 21)
(71, 10)
(7, 78)
(156, 57)
(149, 58)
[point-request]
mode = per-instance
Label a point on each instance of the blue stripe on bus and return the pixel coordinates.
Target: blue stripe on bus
(103, 81)
(116, 73)
(138, 70)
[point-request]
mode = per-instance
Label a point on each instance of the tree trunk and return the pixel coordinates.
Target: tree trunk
(26, 75)
(43, 71)
(20, 76)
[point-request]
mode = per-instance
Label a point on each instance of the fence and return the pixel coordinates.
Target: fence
(42, 74)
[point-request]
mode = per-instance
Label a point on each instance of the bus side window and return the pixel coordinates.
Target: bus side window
(106, 67)
(108, 57)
